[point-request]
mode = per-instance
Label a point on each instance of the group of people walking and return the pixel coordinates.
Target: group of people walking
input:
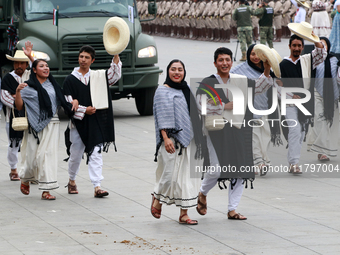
(185, 142)
(35, 93)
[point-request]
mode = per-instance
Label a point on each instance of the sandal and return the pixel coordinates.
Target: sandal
(25, 189)
(47, 196)
(187, 221)
(72, 189)
(100, 193)
(154, 211)
(295, 169)
(322, 157)
(236, 216)
(202, 206)
(14, 176)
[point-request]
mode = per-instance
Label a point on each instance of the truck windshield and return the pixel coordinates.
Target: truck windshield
(43, 9)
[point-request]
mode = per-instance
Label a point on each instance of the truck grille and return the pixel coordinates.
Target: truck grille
(70, 49)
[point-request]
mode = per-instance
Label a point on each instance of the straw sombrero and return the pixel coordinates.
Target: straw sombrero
(304, 30)
(18, 56)
(266, 54)
(116, 35)
(277, 55)
(303, 3)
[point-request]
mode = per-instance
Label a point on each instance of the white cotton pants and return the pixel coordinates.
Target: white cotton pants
(12, 152)
(211, 177)
(295, 135)
(95, 164)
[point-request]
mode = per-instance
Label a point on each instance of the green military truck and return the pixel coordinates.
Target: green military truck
(81, 22)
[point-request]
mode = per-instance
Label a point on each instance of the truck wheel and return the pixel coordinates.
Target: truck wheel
(144, 101)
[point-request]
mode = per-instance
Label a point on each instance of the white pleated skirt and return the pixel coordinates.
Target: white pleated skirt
(176, 182)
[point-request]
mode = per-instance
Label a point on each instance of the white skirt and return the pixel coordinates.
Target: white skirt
(321, 24)
(261, 141)
(40, 161)
(175, 183)
(321, 138)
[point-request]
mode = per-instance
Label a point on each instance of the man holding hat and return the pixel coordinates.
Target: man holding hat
(9, 85)
(296, 71)
(92, 129)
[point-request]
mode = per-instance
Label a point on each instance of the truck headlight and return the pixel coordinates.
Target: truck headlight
(40, 55)
(147, 52)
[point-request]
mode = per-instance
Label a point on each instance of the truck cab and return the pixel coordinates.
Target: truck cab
(81, 22)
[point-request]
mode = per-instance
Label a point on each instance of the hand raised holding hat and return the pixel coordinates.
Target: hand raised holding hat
(266, 66)
(116, 59)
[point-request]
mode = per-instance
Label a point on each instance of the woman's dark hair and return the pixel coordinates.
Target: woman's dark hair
(88, 49)
(35, 63)
(221, 51)
(296, 37)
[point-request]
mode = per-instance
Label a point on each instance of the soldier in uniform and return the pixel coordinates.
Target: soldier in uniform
(177, 20)
(285, 18)
(216, 17)
(255, 21)
(183, 15)
(172, 13)
(278, 20)
(206, 19)
(200, 20)
(211, 20)
(242, 16)
(192, 19)
(233, 24)
(225, 20)
(266, 14)
(158, 20)
(166, 18)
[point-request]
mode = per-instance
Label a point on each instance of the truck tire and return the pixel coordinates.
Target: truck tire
(144, 101)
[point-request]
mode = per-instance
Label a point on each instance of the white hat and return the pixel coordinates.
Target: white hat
(277, 55)
(116, 35)
(18, 56)
(266, 54)
(303, 3)
(304, 30)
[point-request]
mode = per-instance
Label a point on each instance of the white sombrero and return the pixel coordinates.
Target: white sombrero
(303, 3)
(277, 55)
(116, 35)
(266, 54)
(304, 30)
(18, 56)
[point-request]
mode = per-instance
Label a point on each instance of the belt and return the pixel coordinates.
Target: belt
(319, 10)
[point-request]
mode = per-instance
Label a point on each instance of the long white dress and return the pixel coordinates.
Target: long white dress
(320, 20)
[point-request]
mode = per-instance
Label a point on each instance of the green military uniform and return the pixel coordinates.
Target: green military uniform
(242, 16)
(266, 14)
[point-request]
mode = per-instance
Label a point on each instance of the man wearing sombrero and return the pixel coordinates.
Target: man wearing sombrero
(9, 85)
(297, 71)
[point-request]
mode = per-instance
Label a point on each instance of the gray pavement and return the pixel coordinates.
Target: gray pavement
(286, 214)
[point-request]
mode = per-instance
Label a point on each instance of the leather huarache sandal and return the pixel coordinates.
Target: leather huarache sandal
(187, 221)
(154, 211)
(200, 206)
(47, 196)
(72, 189)
(25, 189)
(236, 216)
(322, 157)
(14, 177)
(100, 193)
